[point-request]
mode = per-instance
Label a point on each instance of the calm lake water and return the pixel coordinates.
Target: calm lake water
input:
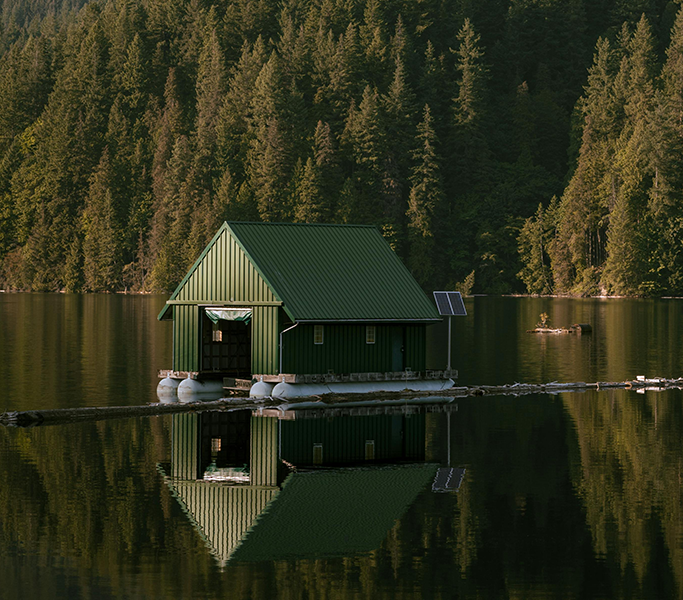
(565, 496)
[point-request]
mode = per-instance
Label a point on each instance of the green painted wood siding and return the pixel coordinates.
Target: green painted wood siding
(265, 331)
(184, 436)
(396, 438)
(416, 347)
(344, 349)
(264, 451)
(224, 273)
(222, 514)
(185, 338)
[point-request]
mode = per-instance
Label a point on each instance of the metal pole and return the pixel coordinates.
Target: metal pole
(281, 344)
(448, 366)
(448, 416)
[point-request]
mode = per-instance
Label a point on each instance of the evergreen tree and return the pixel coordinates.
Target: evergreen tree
(586, 203)
(666, 193)
(425, 204)
(470, 166)
(629, 241)
(534, 242)
(102, 239)
(326, 160)
(310, 206)
(269, 159)
(172, 221)
(363, 143)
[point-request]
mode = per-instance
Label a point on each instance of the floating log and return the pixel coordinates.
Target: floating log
(578, 328)
(58, 416)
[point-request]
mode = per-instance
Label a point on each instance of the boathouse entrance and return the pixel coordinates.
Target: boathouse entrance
(226, 341)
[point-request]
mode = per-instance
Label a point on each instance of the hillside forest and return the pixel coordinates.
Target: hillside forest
(500, 146)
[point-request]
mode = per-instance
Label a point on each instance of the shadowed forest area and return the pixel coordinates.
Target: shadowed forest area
(500, 145)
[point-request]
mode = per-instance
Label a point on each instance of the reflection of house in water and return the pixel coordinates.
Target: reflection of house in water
(259, 487)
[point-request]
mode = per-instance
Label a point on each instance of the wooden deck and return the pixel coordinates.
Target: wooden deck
(236, 384)
(357, 377)
(163, 373)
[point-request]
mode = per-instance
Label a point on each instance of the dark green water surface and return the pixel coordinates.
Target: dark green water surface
(566, 496)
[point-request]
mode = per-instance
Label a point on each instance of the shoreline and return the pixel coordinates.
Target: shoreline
(545, 296)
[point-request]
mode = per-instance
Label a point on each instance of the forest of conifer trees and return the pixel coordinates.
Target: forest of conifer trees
(500, 145)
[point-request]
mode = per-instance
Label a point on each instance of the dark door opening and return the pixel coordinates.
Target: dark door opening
(224, 440)
(226, 347)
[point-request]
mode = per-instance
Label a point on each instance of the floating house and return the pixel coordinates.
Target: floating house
(308, 308)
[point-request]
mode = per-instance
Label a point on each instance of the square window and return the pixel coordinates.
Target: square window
(369, 334)
(317, 334)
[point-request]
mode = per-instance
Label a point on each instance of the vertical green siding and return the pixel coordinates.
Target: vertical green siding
(265, 339)
(344, 349)
(264, 451)
(396, 438)
(415, 347)
(185, 338)
(184, 458)
(223, 514)
(225, 274)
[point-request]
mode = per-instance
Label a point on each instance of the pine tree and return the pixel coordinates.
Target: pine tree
(102, 239)
(470, 171)
(326, 160)
(171, 221)
(666, 193)
(398, 106)
(425, 204)
(629, 241)
(310, 204)
(269, 158)
(233, 132)
(363, 144)
(589, 197)
(534, 242)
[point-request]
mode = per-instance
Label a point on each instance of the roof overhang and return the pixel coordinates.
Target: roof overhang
(166, 312)
(367, 321)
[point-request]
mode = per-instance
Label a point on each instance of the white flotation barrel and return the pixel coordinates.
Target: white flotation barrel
(193, 390)
(299, 390)
(261, 389)
(167, 390)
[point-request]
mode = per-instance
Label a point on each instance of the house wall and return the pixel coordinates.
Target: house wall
(185, 338)
(344, 349)
(184, 448)
(265, 331)
(224, 273)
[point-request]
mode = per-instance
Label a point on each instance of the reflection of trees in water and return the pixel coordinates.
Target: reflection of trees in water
(563, 497)
(82, 509)
(629, 479)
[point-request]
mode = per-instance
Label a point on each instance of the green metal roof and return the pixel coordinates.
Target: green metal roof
(323, 272)
(333, 272)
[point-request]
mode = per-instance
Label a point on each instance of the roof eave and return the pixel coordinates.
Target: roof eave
(427, 320)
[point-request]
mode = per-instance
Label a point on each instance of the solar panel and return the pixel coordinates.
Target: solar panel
(448, 479)
(450, 304)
